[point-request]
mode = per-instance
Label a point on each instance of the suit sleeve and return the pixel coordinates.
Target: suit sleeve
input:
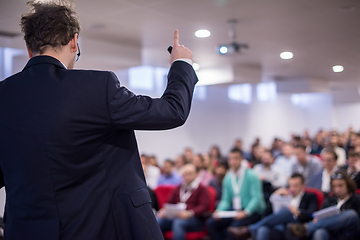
(256, 193)
(136, 112)
(226, 199)
(2, 183)
(311, 207)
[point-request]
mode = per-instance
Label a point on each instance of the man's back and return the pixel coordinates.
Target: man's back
(69, 154)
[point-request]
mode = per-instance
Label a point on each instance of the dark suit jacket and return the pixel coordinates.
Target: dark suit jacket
(308, 205)
(352, 203)
(68, 152)
(199, 201)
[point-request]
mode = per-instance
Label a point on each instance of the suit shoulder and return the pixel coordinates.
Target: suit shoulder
(251, 174)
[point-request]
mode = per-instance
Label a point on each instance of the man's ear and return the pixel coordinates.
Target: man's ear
(29, 52)
(73, 43)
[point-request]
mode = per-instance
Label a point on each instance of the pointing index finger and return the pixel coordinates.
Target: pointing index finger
(176, 38)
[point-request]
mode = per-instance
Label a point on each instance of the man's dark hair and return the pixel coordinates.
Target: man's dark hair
(223, 165)
(331, 151)
(171, 162)
(354, 154)
(300, 146)
(298, 175)
(236, 150)
(49, 24)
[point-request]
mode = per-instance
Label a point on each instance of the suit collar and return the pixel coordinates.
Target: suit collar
(44, 59)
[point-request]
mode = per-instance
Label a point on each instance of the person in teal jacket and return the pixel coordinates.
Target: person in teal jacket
(242, 192)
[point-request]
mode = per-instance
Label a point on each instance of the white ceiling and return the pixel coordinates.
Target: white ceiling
(118, 34)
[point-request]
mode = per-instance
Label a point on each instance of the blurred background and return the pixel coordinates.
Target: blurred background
(254, 90)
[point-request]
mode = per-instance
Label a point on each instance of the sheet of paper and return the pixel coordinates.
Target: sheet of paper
(326, 212)
(173, 209)
(278, 202)
(226, 214)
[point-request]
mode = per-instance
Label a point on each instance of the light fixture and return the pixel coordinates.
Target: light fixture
(196, 66)
(286, 55)
(338, 68)
(223, 49)
(202, 33)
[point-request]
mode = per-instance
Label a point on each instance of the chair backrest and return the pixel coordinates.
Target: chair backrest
(358, 191)
(212, 193)
(319, 195)
(163, 193)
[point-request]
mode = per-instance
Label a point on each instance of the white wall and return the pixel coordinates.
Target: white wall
(220, 121)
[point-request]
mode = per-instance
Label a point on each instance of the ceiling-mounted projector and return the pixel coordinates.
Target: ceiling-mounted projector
(233, 46)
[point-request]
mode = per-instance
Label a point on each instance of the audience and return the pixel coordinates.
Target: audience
(344, 225)
(317, 145)
(268, 172)
(286, 159)
(276, 147)
(169, 176)
(180, 161)
(197, 200)
(188, 154)
(153, 161)
(306, 165)
(216, 183)
(242, 192)
(215, 155)
(300, 209)
(204, 175)
(353, 167)
(340, 152)
(321, 180)
(257, 153)
(152, 173)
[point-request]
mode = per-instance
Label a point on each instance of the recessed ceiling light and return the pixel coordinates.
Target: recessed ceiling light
(196, 66)
(202, 33)
(338, 68)
(286, 55)
(223, 49)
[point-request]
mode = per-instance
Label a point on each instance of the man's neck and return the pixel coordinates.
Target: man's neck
(267, 166)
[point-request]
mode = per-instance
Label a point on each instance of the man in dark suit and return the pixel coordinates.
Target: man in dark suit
(300, 209)
(321, 180)
(68, 152)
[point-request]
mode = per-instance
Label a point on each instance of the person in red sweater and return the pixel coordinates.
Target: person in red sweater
(197, 200)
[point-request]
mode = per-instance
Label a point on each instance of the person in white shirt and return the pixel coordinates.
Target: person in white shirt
(269, 172)
(340, 152)
(300, 207)
(152, 173)
(286, 159)
(321, 179)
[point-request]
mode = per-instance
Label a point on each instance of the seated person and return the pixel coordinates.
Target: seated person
(169, 176)
(286, 159)
(204, 175)
(353, 167)
(216, 183)
(197, 199)
(306, 165)
(301, 206)
(268, 172)
(242, 192)
(345, 225)
(152, 173)
(321, 180)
